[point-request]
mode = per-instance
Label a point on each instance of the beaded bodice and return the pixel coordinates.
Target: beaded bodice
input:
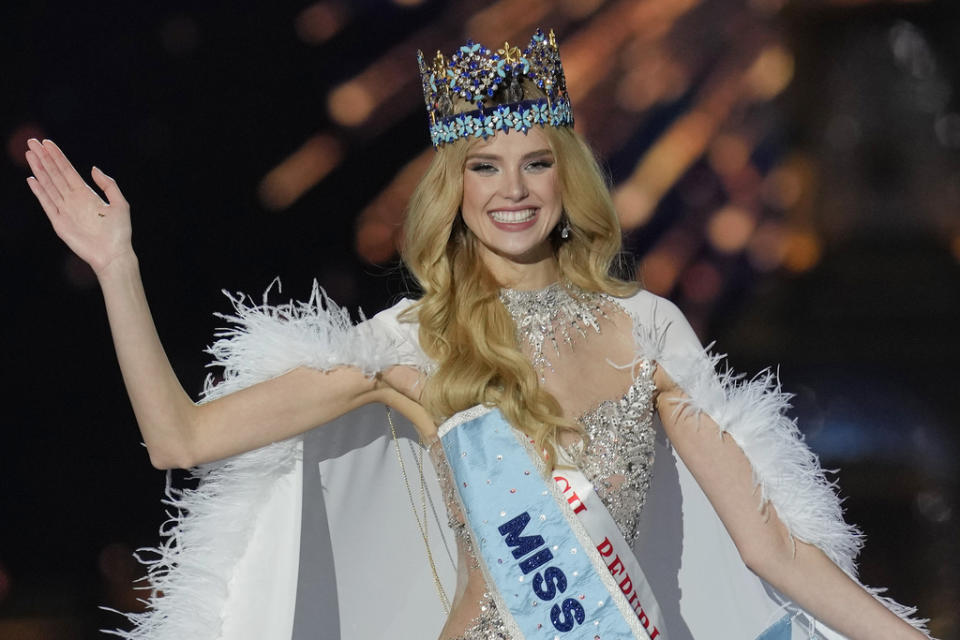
(618, 458)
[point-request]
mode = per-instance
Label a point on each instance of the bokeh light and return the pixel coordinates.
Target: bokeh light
(729, 228)
(802, 250)
(320, 21)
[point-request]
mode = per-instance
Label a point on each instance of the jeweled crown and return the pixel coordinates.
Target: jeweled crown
(492, 81)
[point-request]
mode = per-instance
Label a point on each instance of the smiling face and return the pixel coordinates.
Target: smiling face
(511, 203)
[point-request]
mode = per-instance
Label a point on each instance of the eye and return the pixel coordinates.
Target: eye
(540, 165)
(481, 167)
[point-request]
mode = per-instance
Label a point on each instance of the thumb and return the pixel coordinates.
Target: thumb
(108, 185)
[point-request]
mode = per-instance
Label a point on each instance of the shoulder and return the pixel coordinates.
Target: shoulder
(661, 331)
(658, 314)
(403, 329)
(389, 317)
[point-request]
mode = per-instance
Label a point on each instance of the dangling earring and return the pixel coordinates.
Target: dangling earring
(565, 229)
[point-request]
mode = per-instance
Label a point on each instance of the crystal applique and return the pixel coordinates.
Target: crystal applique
(557, 314)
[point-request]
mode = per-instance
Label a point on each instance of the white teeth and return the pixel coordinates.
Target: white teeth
(513, 217)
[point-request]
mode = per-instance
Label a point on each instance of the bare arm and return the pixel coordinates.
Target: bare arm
(178, 432)
(802, 572)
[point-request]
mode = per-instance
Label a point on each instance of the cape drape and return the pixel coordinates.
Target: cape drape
(314, 537)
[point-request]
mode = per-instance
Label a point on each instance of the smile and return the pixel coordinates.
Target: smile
(513, 217)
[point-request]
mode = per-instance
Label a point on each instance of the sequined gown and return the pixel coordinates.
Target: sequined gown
(575, 351)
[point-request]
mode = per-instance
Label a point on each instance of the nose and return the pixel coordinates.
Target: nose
(514, 185)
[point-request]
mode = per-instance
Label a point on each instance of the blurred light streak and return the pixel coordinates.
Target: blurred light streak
(770, 73)
(634, 204)
(408, 3)
(507, 17)
(320, 21)
(379, 224)
(284, 184)
(579, 9)
(730, 228)
(955, 247)
(17, 141)
(354, 101)
(802, 250)
(701, 282)
(649, 78)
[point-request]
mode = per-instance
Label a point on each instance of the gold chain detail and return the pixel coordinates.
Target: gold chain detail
(421, 524)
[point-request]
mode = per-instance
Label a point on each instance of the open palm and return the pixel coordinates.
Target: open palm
(97, 231)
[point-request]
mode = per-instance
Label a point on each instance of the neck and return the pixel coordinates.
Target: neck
(523, 276)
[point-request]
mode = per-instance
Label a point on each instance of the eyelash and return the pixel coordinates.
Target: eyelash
(485, 167)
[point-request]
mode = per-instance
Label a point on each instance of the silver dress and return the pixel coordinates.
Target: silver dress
(618, 458)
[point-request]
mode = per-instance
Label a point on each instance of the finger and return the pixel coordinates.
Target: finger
(56, 178)
(66, 168)
(49, 208)
(108, 185)
(43, 178)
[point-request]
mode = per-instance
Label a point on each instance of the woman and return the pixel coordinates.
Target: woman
(511, 235)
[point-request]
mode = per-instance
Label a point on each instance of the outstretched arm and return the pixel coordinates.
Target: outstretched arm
(178, 432)
(800, 571)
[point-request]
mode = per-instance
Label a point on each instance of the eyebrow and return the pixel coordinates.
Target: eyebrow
(493, 156)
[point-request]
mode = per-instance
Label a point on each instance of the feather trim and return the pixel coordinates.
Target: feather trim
(786, 473)
(208, 528)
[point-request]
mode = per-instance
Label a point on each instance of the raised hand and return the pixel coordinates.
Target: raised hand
(97, 231)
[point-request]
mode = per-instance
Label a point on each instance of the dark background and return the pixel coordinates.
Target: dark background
(799, 167)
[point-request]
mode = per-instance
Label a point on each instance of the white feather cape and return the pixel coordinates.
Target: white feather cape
(231, 564)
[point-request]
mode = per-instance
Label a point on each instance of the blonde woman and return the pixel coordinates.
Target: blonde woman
(600, 479)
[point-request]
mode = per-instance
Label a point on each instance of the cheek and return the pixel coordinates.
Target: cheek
(549, 190)
(471, 206)
(472, 191)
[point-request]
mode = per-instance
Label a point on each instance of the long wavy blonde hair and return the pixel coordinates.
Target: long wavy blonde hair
(464, 327)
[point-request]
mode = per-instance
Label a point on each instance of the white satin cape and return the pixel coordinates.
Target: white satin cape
(314, 537)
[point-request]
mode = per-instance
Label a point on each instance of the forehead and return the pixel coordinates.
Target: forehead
(512, 143)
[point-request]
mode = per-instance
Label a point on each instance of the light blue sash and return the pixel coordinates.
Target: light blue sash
(546, 575)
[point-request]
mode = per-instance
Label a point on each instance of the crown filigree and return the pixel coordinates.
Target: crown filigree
(491, 81)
